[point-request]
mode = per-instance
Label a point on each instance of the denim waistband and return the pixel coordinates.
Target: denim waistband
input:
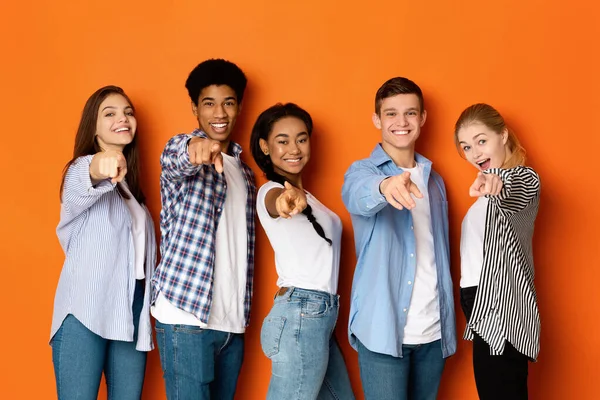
(294, 293)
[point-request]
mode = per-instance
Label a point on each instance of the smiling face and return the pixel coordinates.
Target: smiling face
(116, 123)
(217, 111)
(288, 147)
(400, 120)
(483, 147)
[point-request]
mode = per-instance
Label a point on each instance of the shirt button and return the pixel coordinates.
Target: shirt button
(409, 282)
(412, 255)
(404, 310)
(412, 227)
(218, 209)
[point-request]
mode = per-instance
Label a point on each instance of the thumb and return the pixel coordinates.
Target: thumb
(287, 185)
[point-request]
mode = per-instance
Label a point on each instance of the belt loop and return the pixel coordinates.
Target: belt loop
(289, 292)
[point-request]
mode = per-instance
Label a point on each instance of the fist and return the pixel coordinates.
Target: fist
(205, 152)
(108, 164)
(398, 191)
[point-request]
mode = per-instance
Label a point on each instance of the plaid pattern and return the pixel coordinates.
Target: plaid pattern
(192, 199)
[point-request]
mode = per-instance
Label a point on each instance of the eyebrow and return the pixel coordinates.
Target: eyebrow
(408, 109)
(114, 107)
(287, 136)
(474, 137)
(213, 99)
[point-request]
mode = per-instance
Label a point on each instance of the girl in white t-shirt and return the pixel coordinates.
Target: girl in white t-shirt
(297, 335)
(497, 289)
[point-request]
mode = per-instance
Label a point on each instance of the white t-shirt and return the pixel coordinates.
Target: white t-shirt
(303, 259)
(471, 243)
(423, 318)
(138, 231)
(230, 272)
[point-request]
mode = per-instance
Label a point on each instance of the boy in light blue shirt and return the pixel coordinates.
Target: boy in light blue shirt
(402, 310)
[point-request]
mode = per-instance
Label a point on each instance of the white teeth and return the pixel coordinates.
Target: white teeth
(219, 126)
(400, 132)
(122, 129)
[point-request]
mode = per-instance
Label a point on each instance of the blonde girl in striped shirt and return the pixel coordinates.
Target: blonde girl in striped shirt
(498, 294)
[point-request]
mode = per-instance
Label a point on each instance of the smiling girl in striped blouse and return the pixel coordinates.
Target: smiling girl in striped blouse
(498, 294)
(101, 320)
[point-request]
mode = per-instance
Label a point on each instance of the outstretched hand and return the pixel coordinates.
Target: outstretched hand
(486, 184)
(398, 191)
(205, 152)
(291, 201)
(108, 164)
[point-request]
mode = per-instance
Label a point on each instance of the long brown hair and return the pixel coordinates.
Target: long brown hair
(86, 143)
(490, 117)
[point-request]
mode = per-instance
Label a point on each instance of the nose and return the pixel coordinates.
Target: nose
(294, 148)
(402, 121)
(220, 111)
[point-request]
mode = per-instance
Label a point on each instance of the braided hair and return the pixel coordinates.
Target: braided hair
(261, 130)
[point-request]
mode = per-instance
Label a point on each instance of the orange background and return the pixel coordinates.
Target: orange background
(536, 61)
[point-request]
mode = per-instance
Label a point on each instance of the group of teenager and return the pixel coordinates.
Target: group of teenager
(402, 320)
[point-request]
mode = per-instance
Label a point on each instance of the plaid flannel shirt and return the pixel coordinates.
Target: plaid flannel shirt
(192, 199)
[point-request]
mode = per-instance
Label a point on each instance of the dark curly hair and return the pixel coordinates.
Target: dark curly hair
(216, 72)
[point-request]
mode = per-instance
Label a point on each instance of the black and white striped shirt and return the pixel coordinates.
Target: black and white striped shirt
(505, 306)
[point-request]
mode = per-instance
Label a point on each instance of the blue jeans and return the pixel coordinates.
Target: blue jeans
(415, 376)
(199, 363)
(80, 356)
(297, 336)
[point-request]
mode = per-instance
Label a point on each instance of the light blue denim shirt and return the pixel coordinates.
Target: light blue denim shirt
(385, 240)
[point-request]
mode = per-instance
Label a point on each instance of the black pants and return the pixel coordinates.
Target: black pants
(502, 377)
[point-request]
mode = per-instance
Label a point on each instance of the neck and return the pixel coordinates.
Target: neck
(403, 158)
(110, 147)
(294, 179)
(506, 157)
(225, 146)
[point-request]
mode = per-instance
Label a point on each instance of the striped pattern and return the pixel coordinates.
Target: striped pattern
(192, 201)
(97, 282)
(505, 306)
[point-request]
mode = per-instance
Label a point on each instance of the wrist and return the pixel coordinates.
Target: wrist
(383, 184)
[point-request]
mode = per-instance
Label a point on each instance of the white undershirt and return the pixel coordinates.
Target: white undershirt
(471, 243)
(230, 271)
(423, 318)
(303, 259)
(138, 231)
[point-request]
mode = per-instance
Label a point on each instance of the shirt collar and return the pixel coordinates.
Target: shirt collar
(380, 157)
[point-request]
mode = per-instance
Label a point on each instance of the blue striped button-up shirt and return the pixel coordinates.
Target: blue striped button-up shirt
(97, 282)
(385, 245)
(192, 202)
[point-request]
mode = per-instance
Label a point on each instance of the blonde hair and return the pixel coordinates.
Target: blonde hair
(491, 118)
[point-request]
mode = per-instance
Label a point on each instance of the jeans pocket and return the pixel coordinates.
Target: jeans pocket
(314, 309)
(189, 329)
(270, 335)
(160, 341)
